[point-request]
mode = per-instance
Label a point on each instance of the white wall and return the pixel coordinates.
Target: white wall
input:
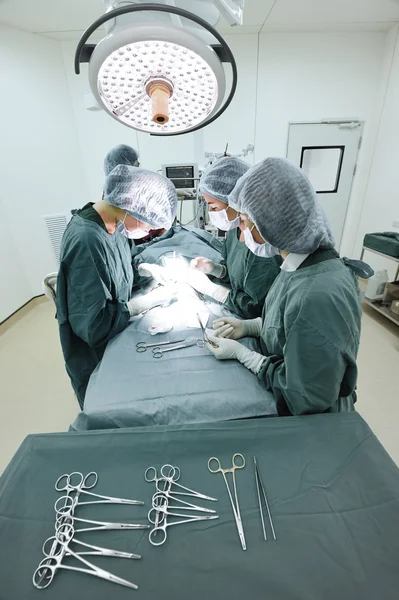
(381, 202)
(41, 169)
(311, 76)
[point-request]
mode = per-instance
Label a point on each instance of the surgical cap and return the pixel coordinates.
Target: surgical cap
(146, 196)
(279, 198)
(220, 178)
(120, 155)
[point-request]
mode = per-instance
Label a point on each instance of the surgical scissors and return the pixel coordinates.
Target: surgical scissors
(205, 336)
(67, 519)
(236, 506)
(51, 564)
(164, 524)
(142, 346)
(82, 487)
(168, 475)
(159, 352)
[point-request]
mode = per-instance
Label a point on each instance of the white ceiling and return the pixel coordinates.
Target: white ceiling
(67, 19)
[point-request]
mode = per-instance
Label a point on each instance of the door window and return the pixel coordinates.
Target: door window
(323, 164)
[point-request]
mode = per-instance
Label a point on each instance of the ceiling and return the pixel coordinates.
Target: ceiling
(67, 19)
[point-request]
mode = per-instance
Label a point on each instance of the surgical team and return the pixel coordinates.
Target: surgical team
(279, 273)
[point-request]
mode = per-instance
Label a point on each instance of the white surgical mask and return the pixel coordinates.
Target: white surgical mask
(263, 250)
(137, 234)
(132, 235)
(220, 219)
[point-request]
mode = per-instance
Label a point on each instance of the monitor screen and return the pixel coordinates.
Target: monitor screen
(182, 176)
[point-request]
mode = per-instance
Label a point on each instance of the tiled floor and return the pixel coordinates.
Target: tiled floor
(36, 395)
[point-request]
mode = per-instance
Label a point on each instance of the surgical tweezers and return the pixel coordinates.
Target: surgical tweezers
(259, 482)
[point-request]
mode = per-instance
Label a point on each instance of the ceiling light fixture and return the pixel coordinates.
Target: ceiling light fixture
(163, 80)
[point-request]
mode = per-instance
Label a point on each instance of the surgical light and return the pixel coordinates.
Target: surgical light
(156, 78)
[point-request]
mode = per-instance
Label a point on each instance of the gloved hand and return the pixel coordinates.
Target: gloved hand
(161, 274)
(234, 329)
(200, 282)
(207, 266)
(230, 349)
(161, 295)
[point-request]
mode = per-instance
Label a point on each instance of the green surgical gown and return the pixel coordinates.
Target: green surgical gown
(310, 336)
(94, 284)
(249, 276)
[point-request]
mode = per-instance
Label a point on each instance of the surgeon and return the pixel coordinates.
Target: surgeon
(95, 277)
(249, 275)
(310, 329)
(126, 155)
(120, 155)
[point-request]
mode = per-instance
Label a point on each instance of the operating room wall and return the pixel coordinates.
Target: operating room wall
(41, 171)
(381, 202)
(313, 76)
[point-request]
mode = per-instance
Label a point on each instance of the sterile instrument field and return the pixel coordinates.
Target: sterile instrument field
(330, 485)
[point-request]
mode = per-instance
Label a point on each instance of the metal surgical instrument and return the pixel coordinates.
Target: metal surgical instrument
(142, 346)
(95, 550)
(164, 524)
(235, 506)
(161, 498)
(168, 474)
(259, 482)
(206, 338)
(82, 486)
(65, 519)
(159, 352)
(51, 564)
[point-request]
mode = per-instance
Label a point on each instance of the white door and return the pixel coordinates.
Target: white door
(327, 152)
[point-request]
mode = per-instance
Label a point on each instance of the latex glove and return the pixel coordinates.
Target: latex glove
(200, 282)
(230, 349)
(161, 295)
(160, 274)
(234, 329)
(207, 266)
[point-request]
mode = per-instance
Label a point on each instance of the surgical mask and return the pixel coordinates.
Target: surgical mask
(137, 234)
(262, 250)
(220, 219)
(132, 235)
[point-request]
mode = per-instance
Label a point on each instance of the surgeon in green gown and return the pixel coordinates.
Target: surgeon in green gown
(310, 328)
(95, 277)
(242, 280)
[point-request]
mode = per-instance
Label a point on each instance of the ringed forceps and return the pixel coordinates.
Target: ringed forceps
(161, 523)
(235, 506)
(94, 550)
(82, 486)
(171, 475)
(51, 564)
(67, 519)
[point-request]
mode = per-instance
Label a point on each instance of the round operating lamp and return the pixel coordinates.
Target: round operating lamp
(160, 79)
